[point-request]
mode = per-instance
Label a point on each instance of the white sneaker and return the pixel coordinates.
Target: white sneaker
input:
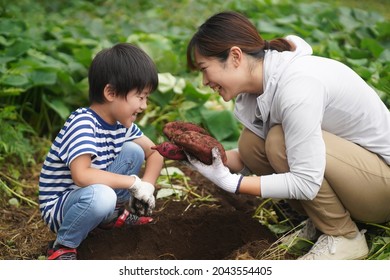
(307, 232)
(338, 248)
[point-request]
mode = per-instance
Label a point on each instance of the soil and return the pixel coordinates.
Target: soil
(191, 228)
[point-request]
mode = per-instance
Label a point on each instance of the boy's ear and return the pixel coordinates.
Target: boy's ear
(109, 92)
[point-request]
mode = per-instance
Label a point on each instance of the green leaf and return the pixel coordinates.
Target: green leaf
(373, 46)
(171, 171)
(221, 124)
(39, 77)
(15, 80)
(279, 228)
(159, 48)
(162, 99)
(193, 94)
(11, 26)
(166, 82)
(270, 27)
(188, 105)
(58, 106)
(166, 192)
(6, 59)
(385, 56)
(347, 20)
(17, 49)
(383, 30)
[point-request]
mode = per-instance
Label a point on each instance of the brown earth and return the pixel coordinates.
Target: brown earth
(191, 228)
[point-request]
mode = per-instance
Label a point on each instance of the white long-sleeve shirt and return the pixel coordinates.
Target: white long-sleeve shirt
(307, 94)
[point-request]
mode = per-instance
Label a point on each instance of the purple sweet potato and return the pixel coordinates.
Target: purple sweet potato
(170, 151)
(175, 128)
(199, 145)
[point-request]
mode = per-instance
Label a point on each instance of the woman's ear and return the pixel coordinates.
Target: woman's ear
(235, 55)
(109, 93)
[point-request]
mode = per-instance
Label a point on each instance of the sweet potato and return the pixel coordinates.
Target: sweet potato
(170, 151)
(175, 128)
(199, 145)
(186, 137)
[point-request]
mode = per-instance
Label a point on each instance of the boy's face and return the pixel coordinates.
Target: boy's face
(125, 110)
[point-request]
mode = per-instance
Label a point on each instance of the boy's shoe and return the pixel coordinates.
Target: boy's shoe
(129, 219)
(126, 219)
(307, 232)
(338, 248)
(61, 253)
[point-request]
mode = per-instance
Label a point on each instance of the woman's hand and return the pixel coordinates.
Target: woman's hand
(217, 173)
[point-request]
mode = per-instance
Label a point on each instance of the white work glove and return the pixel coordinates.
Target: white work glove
(217, 173)
(143, 191)
(139, 208)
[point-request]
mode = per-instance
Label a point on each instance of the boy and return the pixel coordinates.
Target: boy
(90, 172)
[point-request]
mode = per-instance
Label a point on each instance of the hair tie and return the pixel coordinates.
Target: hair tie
(266, 45)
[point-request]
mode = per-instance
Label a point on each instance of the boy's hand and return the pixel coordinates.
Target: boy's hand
(139, 208)
(143, 191)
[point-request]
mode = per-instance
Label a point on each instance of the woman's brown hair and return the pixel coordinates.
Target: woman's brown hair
(222, 31)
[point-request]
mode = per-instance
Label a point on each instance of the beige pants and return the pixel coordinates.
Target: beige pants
(356, 184)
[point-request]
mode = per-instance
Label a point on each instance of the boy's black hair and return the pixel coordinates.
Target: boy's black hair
(124, 67)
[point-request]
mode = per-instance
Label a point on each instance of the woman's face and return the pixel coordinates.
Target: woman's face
(222, 77)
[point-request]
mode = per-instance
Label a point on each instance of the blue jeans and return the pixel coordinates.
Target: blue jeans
(87, 207)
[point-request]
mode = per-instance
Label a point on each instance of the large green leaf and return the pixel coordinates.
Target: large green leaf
(14, 79)
(11, 26)
(159, 48)
(43, 77)
(17, 49)
(58, 106)
(221, 124)
(373, 46)
(162, 99)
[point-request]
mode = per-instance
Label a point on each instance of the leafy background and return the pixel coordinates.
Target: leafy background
(47, 46)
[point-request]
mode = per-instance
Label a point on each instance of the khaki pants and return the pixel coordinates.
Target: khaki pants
(356, 184)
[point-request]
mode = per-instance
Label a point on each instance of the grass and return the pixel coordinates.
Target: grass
(380, 6)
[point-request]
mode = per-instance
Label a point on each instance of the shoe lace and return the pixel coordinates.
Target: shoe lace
(325, 242)
(68, 256)
(131, 219)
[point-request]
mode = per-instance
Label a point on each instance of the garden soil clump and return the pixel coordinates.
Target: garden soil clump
(182, 229)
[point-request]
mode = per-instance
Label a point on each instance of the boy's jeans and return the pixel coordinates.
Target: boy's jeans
(85, 208)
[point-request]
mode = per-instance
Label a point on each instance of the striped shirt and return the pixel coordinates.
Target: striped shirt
(84, 132)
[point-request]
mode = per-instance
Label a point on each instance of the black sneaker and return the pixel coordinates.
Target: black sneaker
(129, 219)
(61, 253)
(122, 217)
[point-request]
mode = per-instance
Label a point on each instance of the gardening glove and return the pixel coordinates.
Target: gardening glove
(217, 173)
(139, 208)
(143, 191)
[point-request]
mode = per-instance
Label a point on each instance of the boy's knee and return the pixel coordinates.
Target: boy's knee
(104, 200)
(134, 149)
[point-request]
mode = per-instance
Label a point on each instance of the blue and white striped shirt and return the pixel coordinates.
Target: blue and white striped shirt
(84, 132)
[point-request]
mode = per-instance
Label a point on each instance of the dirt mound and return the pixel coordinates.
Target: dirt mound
(196, 233)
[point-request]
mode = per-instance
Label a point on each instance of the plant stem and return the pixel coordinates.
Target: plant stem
(2, 184)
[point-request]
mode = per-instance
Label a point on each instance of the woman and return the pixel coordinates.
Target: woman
(315, 133)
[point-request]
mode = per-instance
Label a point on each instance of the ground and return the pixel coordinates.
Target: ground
(183, 229)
